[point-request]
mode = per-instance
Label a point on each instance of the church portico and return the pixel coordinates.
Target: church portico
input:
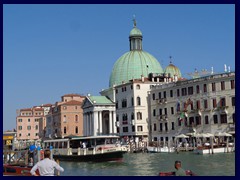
(99, 116)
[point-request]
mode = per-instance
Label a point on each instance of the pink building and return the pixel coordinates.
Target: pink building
(27, 123)
(66, 117)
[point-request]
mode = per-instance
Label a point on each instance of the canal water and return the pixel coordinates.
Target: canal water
(150, 164)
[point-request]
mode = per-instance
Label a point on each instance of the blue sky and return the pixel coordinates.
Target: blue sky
(52, 50)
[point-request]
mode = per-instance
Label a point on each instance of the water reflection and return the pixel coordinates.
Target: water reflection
(144, 164)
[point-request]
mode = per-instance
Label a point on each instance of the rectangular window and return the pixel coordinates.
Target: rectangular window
(153, 96)
(133, 128)
(214, 103)
(223, 118)
(159, 95)
(160, 112)
(154, 127)
(28, 127)
(191, 121)
(198, 104)
(154, 112)
(139, 128)
(164, 94)
(171, 93)
(198, 120)
(125, 129)
(233, 101)
(160, 127)
(197, 89)
(36, 134)
(190, 90)
(223, 102)
(165, 111)
(178, 92)
(215, 119)
(184, 91)
(19, 127)
(29, 120)
(206, 120)
(232, 84)
(166, 126)
(213, 87)
(172, 125)
(172, 110)
(19, 120)
(205, 103)
(222, 85)
(36, 127)
(205, 88)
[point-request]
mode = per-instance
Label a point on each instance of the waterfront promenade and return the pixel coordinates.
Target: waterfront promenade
(150, 164)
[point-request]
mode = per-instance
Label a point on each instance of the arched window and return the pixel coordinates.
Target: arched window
(137, 86)
(138, 101)
(76, 118)
(76, 130)
(65, 130)
(139, 115)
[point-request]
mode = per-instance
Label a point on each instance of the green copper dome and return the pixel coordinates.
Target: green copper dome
(132, 65)
(135, 32)
(135, 63)
(173, 70)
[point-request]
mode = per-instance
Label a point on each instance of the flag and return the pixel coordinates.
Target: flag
(182, 116)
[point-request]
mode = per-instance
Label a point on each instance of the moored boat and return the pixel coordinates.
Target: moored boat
(16, 170)
(90, 148)
(165, 149)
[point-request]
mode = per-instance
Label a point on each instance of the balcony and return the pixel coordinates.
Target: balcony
(163, 117)
(162, 101)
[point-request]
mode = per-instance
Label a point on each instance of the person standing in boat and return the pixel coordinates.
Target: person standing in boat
(179, 170)
(46, 166)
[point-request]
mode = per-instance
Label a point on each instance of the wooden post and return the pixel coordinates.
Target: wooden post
(227, 144)
(57, 172)
(212, 143)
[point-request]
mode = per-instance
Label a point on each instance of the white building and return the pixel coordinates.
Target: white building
(200, 105)
(141, 99)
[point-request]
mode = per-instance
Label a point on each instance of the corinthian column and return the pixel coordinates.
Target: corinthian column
(110, 122)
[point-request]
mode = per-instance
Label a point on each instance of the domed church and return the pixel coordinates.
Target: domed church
(134, 64)
(122, 109)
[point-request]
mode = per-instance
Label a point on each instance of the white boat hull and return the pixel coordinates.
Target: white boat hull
(160, 149)
(215, 150)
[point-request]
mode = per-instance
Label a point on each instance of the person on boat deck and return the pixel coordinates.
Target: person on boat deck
(84, 145)
(46, 166)
(179, 170)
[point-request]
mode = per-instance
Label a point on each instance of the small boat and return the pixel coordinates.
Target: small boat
(164, 149)
(89, 148)
(188, 173)
(16, 170)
